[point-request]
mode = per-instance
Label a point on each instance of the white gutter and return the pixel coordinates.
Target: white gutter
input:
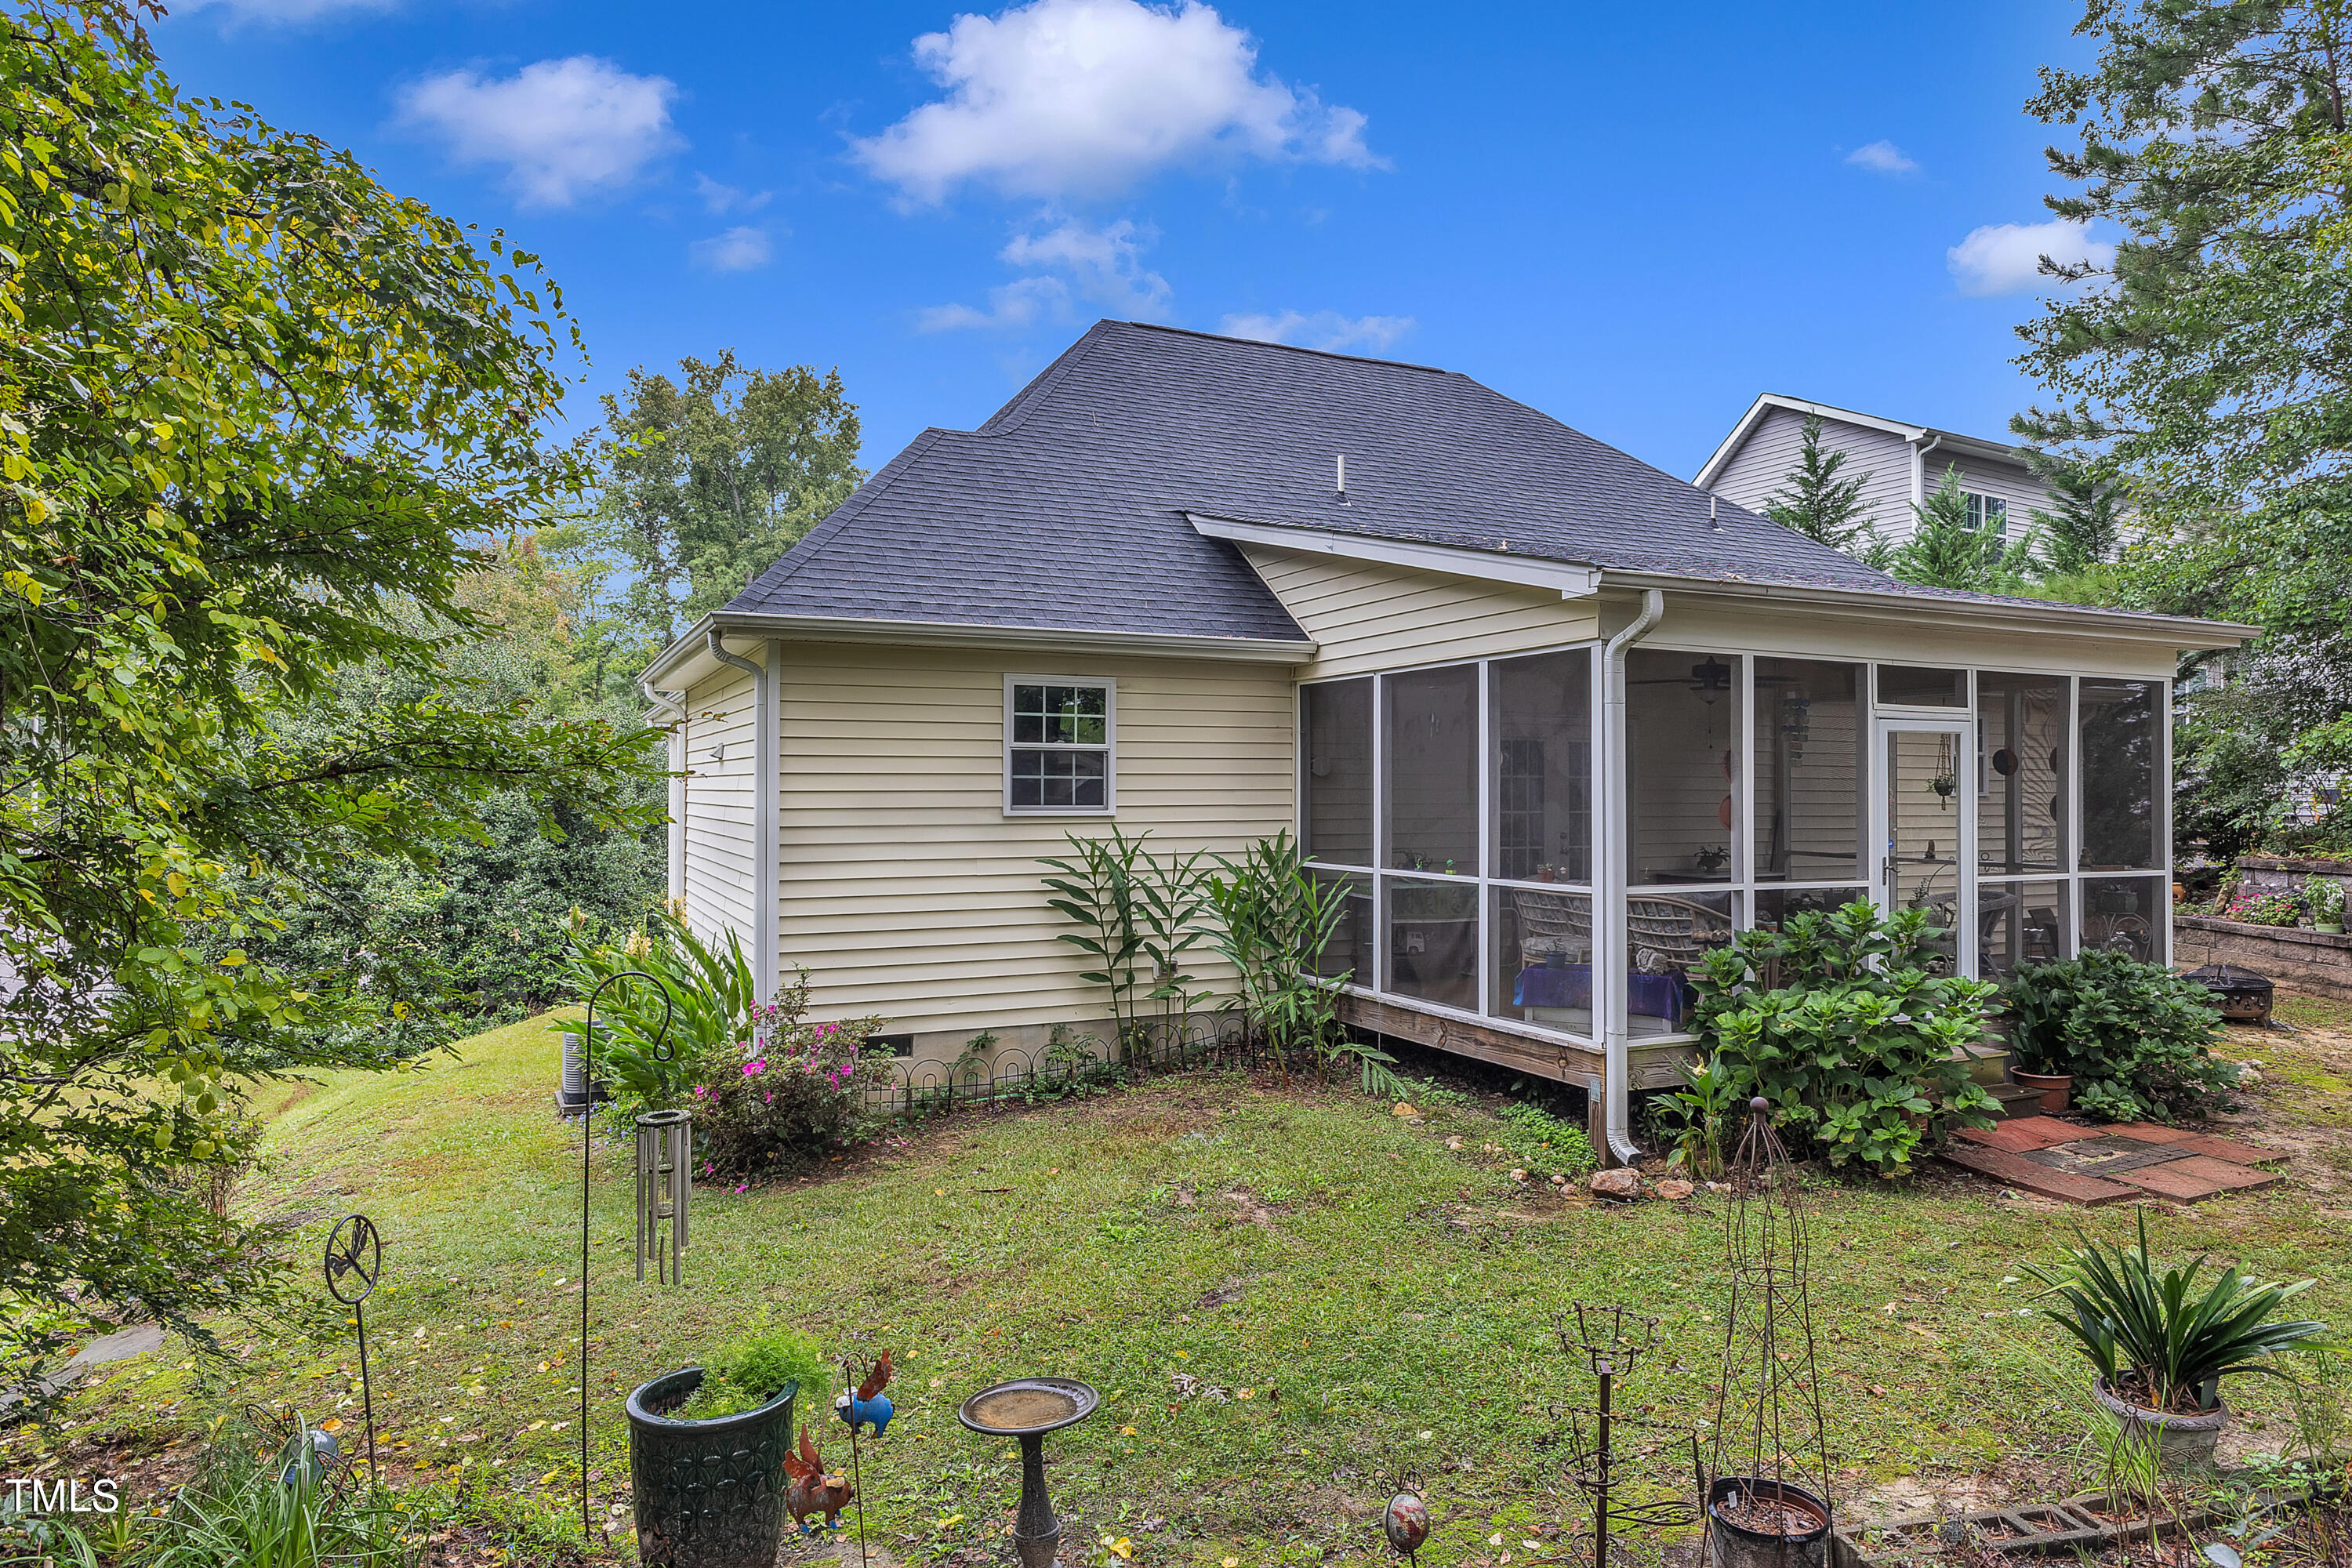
(766, 885)
(1610, 970)
(1919, 469)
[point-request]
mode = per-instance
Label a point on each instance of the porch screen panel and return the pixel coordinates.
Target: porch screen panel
(1808, 771)
(1543, 767)
(1349, 950)
(1682, 765)
(2018, 924)
(1543, 958)
(1432, 770)
(1433, 941)
(1336, 722)
(2020, 774)
(2122, 914)
(2118, 748)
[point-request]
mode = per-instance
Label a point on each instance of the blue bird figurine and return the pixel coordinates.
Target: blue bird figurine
(869, 1405)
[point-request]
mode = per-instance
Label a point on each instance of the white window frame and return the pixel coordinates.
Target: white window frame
(1980, 505)
(1110, 748)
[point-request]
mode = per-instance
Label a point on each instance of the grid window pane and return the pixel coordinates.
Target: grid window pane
(1543, 959)
(1432, 945)
(1336, 719)
(2021, 772)
(1060, 715)
(2121, 913)
(1432, 770)
(1682, 764)
(2118, 749)
(1808, 770)
(2018, 924)
(1905, 686)
(1543, 767)
(1075, 780)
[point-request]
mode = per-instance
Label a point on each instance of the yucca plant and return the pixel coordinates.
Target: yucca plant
(2152, 1335)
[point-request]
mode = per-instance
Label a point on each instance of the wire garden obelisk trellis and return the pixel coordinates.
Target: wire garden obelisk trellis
(662, 1051)
(1768, 1492)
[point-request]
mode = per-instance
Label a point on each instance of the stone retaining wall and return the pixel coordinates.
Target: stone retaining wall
(2295, 959)
(2284, 873)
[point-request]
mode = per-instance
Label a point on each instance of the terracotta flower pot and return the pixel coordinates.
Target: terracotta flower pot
(2181, 1442)
(2057, 1087)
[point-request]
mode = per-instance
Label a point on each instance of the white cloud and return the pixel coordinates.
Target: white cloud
(742, 249)
(1085, 97)
(286, 13)
(1320, 330)
(718, 200)
(563, 128)
(2006, 257)
(1073, 261)
(1883, 157)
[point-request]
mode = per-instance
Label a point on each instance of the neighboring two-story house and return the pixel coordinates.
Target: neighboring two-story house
(1898, 464)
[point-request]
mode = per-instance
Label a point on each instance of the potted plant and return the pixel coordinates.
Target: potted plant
(707, 1452)
(2135, 1039)
(2161, 1350)
(2324, 896)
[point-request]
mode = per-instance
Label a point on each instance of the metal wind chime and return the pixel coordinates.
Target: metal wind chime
(665, 1182)
(1767, 1481)
(661, 1051)
(1601, 1465)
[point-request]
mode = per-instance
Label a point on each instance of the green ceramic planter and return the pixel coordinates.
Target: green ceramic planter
(708, 1494)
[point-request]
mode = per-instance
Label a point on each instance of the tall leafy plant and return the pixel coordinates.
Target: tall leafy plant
(1276, 920)
(1840, 1021)
(1097, 887)
(2137, 1037)
(712, 995)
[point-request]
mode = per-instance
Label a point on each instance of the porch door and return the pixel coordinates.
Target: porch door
(1923, 820)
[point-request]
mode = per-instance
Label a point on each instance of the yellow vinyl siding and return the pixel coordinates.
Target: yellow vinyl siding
(719, 871)
(1367, 616)
(907, 892)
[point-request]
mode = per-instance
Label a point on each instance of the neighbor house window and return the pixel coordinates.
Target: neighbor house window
(1058, 734)
(1987, 512)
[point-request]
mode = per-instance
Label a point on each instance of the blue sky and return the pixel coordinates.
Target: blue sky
(1634, 220)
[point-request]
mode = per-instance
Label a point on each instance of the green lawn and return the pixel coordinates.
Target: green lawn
(1385, 1301)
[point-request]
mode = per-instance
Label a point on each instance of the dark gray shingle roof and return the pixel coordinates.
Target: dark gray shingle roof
(1067, 508)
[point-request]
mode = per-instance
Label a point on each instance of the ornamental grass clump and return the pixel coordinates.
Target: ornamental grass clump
(1839, 1020)
(2137, 1037)
(2154, 1341)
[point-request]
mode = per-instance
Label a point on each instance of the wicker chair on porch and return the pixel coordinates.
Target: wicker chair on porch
(1666, 934)
(1553, 926)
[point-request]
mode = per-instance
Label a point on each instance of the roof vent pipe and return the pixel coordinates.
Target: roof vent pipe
(1711, 522)
(1610, 975)
(1340, 476)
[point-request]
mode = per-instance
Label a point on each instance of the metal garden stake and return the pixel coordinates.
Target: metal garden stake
(662, 1051)
(354, 1259)
(1609, 1340)
(665, 1180)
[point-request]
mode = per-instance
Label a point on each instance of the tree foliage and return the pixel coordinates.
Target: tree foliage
(1818, 501)
(254, 412)
(2211, 366)
(708, 479)
(1946, 550)
(2087, 526)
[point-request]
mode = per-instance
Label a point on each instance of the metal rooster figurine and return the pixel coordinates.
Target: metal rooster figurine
(810, 1488)
(869, 1405)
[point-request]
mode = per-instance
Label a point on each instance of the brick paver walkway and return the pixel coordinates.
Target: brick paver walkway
(2104, 1165)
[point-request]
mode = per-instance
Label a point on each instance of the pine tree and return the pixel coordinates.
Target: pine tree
(1945, 551)
(1817, 502)
(2088, 524)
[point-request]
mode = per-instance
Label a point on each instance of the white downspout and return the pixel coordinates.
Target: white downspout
(1609, 970)
(766, 890)
(1919, 472)
(671, 707)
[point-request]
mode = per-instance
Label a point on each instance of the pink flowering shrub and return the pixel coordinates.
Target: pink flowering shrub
(793, 1094)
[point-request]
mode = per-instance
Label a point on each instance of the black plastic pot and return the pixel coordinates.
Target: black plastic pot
(710, 1494)
(1736, 1546)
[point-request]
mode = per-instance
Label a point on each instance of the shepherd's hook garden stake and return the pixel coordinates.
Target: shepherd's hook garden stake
(662, 1051)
